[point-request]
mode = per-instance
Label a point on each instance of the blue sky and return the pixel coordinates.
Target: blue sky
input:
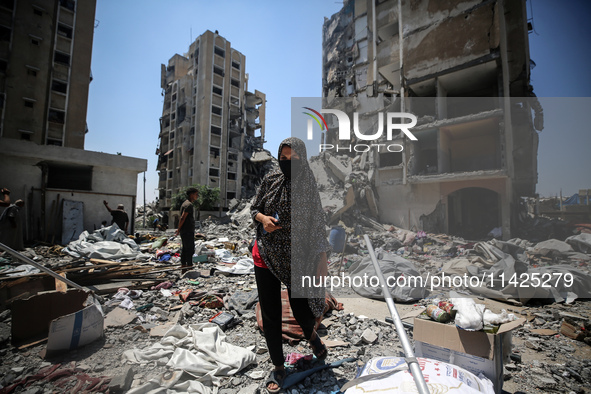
(282, 42)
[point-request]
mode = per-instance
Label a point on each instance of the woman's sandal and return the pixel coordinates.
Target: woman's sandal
(277, 376)
(319, 348)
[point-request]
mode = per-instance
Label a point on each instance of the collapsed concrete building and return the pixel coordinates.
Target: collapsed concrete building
(463, 69)
(212, 128)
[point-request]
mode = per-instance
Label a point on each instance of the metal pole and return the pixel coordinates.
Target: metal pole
(402, 106)
(27, 260)
(144, 200)
(415, 369)
(374, 39)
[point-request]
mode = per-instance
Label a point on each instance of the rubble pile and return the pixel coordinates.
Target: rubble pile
(169, 329)
(147, 213)
(141, 306)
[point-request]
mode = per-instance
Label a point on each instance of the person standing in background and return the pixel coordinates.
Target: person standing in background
(119, 216)
(11, 226)
(186, 228)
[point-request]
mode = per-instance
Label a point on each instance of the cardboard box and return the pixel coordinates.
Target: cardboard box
(475, 351)
(63, 319)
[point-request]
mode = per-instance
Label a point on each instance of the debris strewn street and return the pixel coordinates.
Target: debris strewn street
(158, 319)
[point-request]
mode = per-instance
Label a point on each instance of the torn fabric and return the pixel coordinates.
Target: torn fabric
(200, 350)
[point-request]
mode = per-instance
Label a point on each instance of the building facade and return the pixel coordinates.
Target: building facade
(45, 58)
(45, 54)
(211, 125)
(462, 68)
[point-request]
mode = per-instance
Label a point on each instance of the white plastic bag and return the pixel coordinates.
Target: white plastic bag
(491, 318)
(469, 313)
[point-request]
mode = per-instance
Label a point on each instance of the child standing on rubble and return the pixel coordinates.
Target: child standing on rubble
(290, 244)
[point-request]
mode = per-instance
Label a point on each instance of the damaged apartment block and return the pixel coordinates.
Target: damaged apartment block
(212, 128)
(463, 69)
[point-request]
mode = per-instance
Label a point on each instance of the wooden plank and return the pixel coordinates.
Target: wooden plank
(107, 288)
(27, 345)
(100, 261)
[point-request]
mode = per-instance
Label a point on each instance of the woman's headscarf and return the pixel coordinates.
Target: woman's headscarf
(293, 251)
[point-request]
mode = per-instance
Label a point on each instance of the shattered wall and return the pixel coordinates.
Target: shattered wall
(461, 61)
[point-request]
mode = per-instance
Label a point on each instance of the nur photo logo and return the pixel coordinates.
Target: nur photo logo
(344, 129)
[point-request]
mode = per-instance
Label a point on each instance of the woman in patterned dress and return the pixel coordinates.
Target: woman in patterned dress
(291, 244)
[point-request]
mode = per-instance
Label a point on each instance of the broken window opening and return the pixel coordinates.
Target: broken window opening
(425, 153)
(29, 103)
(7, 4)
(219, 51)
(236, 65)
(218, 70)
(58, 86)
(56, 116)
(216, 130)
(214, 172)
(217, 90)
(69, 177)
(182, 113)
(390, 159)
(235, 82)
(470, 146)
(31, 72)
(216, 110)
(37, 12)
(68, 4)
(230, 195)
(5, 33)
(54, 142)
(64, 30)
(62, 58)
(231, 176)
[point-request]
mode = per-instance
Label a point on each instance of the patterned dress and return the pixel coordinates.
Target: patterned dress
(293, 251)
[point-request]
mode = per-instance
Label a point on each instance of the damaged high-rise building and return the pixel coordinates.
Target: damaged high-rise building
(212, 128)
(463, 69)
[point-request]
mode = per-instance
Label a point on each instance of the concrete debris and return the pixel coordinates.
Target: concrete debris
(147, 299)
